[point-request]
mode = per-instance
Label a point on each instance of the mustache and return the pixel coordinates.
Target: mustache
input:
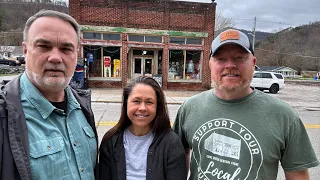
(230, 72)
(54, 67)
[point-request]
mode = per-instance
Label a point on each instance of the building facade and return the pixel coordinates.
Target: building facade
(168, 40)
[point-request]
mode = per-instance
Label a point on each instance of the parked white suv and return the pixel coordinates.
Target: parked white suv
(271, 81)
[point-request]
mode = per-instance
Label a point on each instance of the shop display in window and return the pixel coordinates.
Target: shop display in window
(116, 68)
(190, 70)
(184, 64)
(107, 66)
(90, 60)
(101, 61)
(172, 71)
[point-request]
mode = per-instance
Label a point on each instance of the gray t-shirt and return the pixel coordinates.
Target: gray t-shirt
(136, 151)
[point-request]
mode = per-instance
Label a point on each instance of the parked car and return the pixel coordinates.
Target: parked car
(271, 81)
(21, 59)
(10, 62)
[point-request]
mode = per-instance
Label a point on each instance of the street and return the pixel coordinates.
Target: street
(304, 99)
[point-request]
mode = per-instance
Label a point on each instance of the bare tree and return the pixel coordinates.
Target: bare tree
(284, 44)
(223, 22)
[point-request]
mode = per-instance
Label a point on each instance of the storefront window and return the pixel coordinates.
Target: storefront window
(106, 36)
(112, 63)
(184, 64)
(93, 54)
(160, 62)
(137, 38)
(111, 37)
(176, 61)
(156, 39)
(175, 40)
(194, 41)
(193, 66)
(103, 61)
(90, 35)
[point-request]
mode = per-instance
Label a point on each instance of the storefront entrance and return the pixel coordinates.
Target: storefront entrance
(142, 66)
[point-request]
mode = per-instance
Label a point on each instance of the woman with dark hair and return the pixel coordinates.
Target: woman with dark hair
(142, 145)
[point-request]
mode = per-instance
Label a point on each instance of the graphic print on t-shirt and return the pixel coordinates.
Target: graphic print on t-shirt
(225, 149)
(223, 145)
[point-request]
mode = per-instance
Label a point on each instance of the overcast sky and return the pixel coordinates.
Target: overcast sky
(271, 14)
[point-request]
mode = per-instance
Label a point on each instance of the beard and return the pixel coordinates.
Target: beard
(51, 81)
(231, 85)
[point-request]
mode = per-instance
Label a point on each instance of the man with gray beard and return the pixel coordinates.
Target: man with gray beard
(48, 129)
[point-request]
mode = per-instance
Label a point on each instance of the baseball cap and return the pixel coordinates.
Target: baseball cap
(231, 36)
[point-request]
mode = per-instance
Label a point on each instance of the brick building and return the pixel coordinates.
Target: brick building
(166, 39)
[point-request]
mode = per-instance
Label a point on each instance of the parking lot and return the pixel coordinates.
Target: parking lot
(304, 99)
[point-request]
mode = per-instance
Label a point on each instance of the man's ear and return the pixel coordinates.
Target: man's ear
(254, 60)
(210, 62)
(25, 50)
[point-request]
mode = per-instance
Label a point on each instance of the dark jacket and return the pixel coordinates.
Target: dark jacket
(166, 158)
(14, 142)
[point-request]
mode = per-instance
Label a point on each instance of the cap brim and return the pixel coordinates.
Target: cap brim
(226, 43)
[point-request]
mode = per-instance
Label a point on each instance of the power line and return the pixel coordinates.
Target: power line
(275, 22)
(314, 57)
(245, 19)
(259, 20)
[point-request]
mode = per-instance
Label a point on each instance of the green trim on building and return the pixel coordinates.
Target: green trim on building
(142, 31)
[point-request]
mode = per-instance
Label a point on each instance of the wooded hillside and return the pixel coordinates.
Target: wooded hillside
(260, 36)
(298, 48)
(14, 14)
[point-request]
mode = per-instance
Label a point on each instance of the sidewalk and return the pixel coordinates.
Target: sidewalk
(111, 95)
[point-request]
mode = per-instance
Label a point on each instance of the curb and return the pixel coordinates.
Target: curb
(314, 109)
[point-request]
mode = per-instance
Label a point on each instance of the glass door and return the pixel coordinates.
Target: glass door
(137, 66)
(147, 66)
(142, 66)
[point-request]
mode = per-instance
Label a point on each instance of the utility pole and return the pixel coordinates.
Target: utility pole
(254, 32)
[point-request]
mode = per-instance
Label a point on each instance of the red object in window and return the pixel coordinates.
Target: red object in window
(79, 69)
(107, 61)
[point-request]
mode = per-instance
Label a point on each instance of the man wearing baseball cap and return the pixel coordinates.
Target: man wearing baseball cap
(236, 132)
